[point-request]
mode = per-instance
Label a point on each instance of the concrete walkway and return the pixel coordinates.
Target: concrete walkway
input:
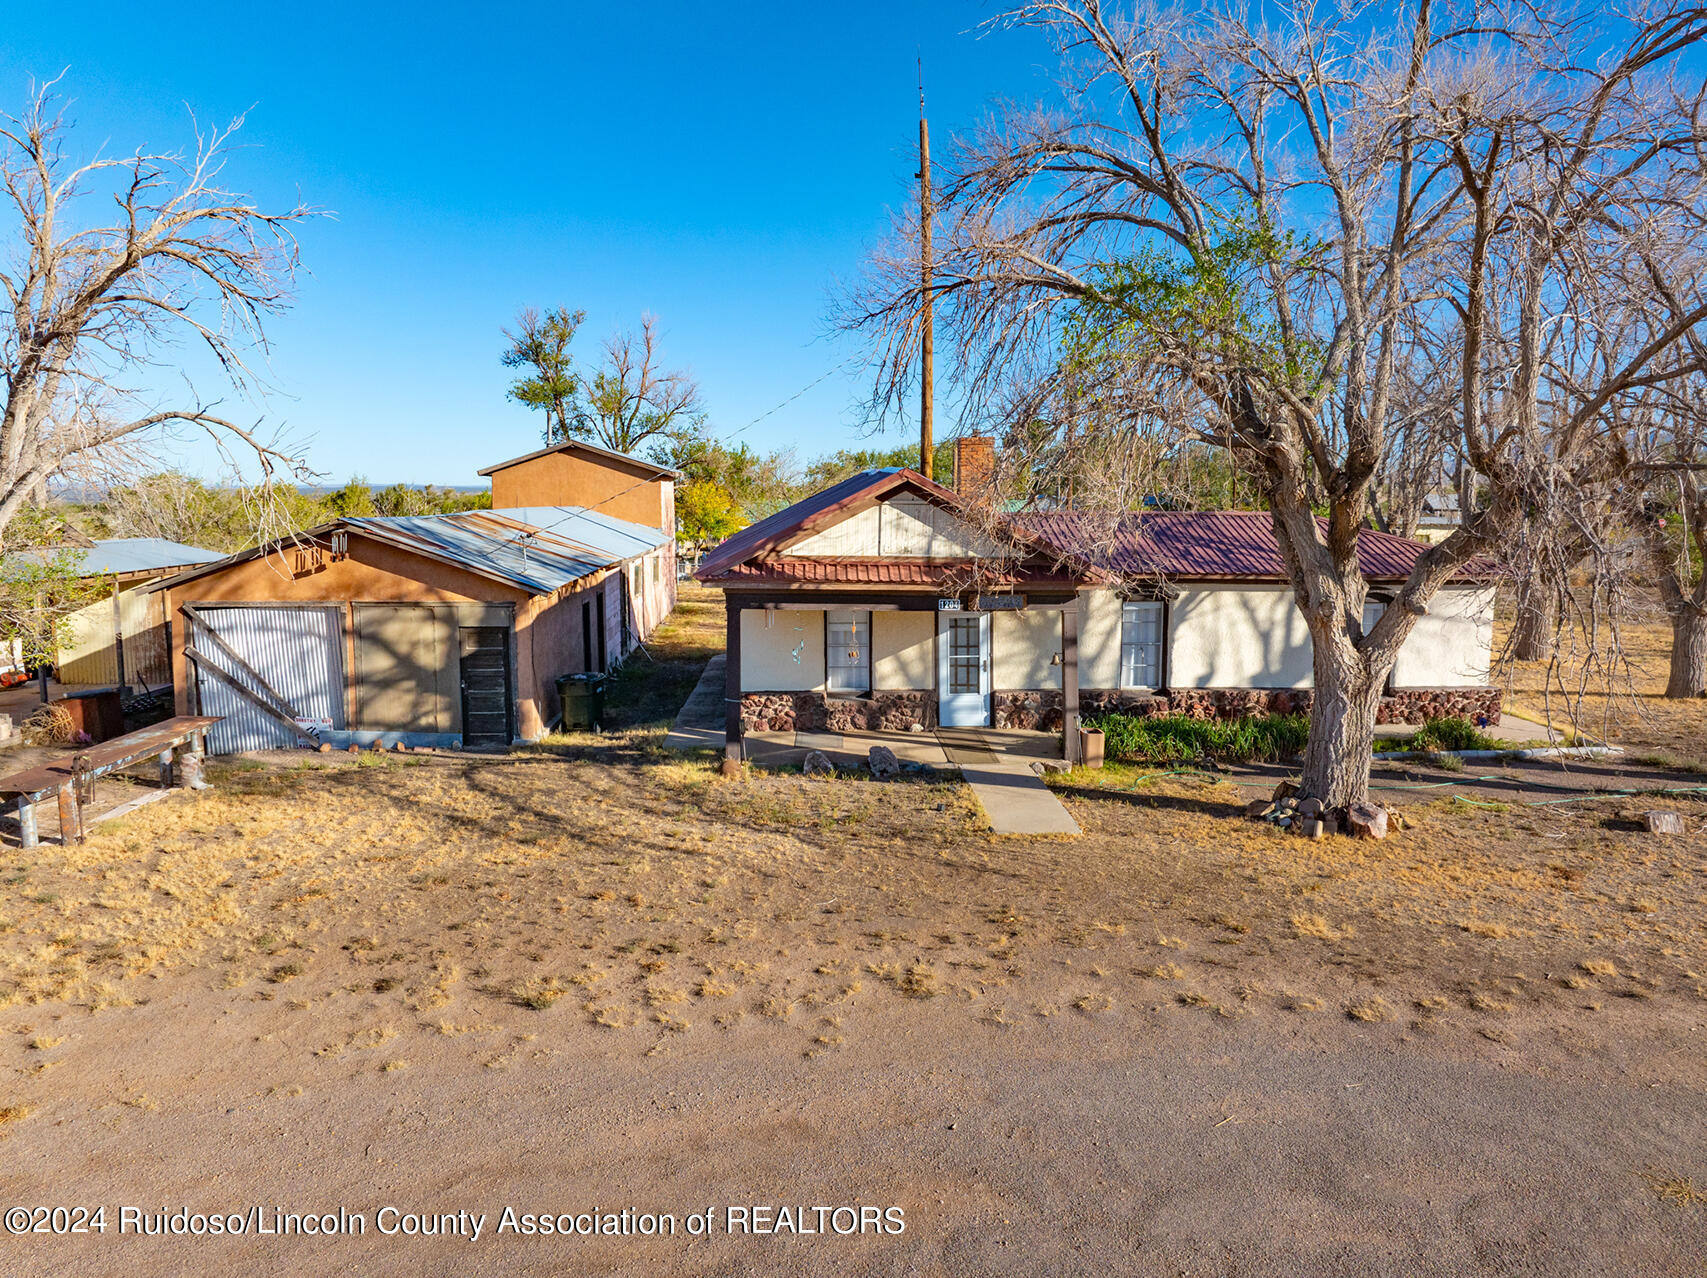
(1016, 800)
(699, 726)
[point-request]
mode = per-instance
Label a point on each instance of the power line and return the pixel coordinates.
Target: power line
(824, 376)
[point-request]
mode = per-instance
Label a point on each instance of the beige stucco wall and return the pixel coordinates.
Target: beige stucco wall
(623, 491)
(785, 656)
(1254, 637)
(1099, 639)
(1222, 637)
(1023, 645)
(903, 650)
(1238, 637)
(913, 529)
(1453, 645)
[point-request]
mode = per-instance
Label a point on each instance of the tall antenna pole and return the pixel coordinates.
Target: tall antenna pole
(927, 333)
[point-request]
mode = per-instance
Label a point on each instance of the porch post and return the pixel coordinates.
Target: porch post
(1070, 681)
(732, 687)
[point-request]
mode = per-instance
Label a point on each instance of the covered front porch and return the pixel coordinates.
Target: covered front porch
(845, 669)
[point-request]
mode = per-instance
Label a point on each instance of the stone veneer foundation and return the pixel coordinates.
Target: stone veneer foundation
(817, 712)
(1040, 710)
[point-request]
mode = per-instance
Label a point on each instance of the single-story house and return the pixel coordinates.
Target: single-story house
(436, 630)
(888, 602)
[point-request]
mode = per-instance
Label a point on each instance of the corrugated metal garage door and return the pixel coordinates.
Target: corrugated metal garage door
(297, 652)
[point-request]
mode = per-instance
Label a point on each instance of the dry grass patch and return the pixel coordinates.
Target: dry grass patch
(1673, 731)
(1163, 972)
(1370, 1008)
(1487, 1003)
(538, 992)
(1599, 967)
(1679, 1191)
(1317, 926)
(1493, 931)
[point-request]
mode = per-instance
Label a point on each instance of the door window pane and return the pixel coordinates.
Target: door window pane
(848, 639)
(1140, 645)
(965, 655)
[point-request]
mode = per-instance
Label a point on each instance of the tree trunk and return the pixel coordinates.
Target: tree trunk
(1342, 724)
(1688, 653)
(1534, 633)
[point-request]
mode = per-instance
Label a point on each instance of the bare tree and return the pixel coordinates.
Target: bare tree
(1242, 231)
(89, 306)
(631, 400)
(1666, 446)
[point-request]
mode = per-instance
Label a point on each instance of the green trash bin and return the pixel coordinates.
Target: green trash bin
(583, 697)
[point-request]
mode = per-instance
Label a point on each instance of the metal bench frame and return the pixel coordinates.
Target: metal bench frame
(180, 745)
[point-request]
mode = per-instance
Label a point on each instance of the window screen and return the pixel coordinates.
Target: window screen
(847, 636)
(965, 655)
(1140, 645)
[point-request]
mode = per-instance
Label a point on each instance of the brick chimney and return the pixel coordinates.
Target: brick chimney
(974, 466)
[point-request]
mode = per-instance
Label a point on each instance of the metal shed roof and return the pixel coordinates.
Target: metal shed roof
(539, 548)
(117, 556)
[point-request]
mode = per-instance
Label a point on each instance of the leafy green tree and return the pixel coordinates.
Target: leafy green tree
(41, 584)
(354, 498)
(759, 483)
(182, 508)
(546, 376)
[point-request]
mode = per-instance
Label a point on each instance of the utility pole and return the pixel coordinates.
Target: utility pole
(927, 334)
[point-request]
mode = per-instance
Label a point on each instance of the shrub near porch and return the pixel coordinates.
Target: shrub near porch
(1175, 737)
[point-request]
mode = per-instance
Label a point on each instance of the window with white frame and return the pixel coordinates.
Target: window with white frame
(847, 651)
(1372, 610)
(1141, 644)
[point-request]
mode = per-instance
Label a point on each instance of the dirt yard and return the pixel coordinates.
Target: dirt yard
(600, 976)
(1624, 704)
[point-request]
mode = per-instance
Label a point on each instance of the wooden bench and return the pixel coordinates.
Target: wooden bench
(179, 744)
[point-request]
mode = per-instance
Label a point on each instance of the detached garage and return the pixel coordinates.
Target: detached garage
(442, 630)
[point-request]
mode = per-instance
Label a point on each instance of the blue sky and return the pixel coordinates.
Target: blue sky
(718, 165)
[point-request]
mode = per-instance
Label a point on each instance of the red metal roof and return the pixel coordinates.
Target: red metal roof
(792, 571)
(1185, 545)
(1209, 544)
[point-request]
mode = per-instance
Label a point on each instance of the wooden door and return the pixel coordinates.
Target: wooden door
(485, 686)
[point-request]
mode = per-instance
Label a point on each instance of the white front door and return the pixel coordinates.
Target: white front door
(963, 669)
